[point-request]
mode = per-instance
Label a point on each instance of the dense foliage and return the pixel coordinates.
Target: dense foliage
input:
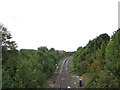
(98, 63)
(26, 68)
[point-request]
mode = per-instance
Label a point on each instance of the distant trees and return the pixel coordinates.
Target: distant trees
(99, 61)
(26, 68)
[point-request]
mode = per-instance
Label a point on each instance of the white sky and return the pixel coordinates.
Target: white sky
(62, 24)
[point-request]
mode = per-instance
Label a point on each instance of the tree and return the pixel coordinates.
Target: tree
(102, 55)
(9, 57)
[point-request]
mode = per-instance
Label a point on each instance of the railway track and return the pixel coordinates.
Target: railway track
(63, 76)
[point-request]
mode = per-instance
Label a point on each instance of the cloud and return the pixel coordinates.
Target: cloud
(64, 24)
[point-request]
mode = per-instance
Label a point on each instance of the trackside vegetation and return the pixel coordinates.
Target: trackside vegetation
(98, 63)
(26, 68)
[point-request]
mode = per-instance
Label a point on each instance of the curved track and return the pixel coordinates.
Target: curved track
(63, 76)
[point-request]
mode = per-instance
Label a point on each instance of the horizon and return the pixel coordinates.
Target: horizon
(63, 25)
(63, 50)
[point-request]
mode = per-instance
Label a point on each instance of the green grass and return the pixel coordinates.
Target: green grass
(70, 65)
(71, 68)
(88, 78)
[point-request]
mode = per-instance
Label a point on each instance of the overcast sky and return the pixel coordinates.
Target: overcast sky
(62, 24)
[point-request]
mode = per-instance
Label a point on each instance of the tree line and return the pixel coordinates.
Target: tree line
(98, 63)
(26, 68)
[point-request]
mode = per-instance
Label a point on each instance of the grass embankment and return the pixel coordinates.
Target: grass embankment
(86, 78)
(74, 80)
